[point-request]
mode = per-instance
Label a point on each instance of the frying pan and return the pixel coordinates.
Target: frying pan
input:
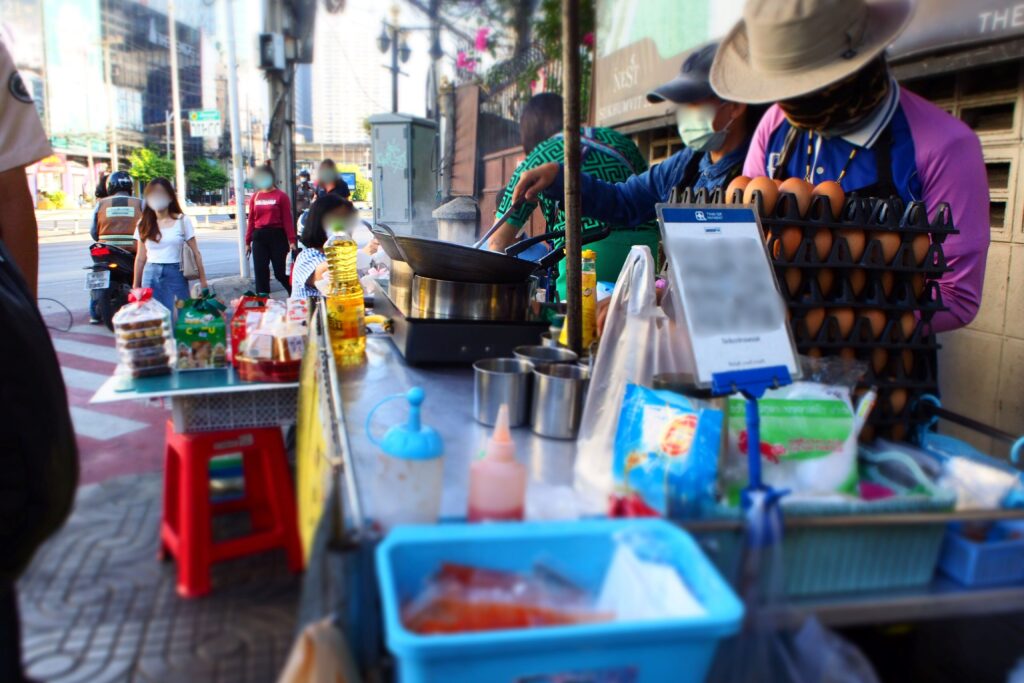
(449, 261)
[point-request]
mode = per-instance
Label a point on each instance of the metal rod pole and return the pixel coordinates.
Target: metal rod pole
(968, 422)
(179, 151)
(236, 136)
(394, 70)
(571, 136)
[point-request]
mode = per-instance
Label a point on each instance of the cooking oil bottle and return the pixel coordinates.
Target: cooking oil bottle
(588, 277)
(345, 309)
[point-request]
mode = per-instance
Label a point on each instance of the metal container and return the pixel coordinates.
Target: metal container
(400, 285)
(447, 299)
(545, 355)
(546, 340)
(558, 394)
(498, 381)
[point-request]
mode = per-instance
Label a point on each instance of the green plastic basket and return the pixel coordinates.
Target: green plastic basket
(829, 560)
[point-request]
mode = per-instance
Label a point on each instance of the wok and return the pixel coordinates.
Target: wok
(441, 260)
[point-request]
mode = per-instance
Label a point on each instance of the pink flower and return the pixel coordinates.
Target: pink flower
(480, 44)
(464, 61)
(588, 39)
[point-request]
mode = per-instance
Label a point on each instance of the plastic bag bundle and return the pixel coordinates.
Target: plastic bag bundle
(142, 333)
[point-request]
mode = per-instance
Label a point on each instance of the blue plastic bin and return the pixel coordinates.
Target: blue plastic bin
(677, 650)
(984, 563)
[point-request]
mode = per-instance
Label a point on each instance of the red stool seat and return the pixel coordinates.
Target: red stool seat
(186, 530)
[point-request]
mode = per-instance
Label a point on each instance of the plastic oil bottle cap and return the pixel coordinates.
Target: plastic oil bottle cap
(589, 253)
(413, 440)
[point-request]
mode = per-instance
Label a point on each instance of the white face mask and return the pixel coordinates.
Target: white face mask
(158, 202)
(697, 130)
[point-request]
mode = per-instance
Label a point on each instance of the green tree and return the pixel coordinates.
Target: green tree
(146, 164)
(363, 191)
(206, 175)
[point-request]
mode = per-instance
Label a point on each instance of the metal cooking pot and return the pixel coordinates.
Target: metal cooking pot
(400, 285)
(446, 299)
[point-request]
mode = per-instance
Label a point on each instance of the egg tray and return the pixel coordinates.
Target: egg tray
(901, 297)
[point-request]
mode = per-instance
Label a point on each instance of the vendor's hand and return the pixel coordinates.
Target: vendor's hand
(534, 181)
(602, 314)
(373, 246)
(203, 284)
(319, 271)
(248, 250)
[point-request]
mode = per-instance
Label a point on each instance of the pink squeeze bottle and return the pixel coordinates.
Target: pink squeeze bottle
(497, 481)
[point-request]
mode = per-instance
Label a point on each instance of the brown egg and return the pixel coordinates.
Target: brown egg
(898, 432)
(778, 182)
(814, 318)
(908, 362)
(794, 278)
(845, 317)
(835, 194)
(814, 353)
(877, 320)
(867, 434)
(907, 324)
(769, 193)
(801, 190)
(888, 280)
(858, 278)
(823, 243)
(788, 243)
(856, 242)
(898, 400)
(847, 353)
(920, 245)
(890, 241)
(826, 278)
(879, 359)
(918, 284)
(740, 183)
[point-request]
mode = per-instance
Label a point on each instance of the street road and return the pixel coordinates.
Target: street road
(62, 260)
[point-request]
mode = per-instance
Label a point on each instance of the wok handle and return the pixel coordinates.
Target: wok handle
(497, 224)
(522, 245)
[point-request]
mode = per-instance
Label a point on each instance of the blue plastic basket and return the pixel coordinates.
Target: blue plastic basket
(984, 563)
(677, 650)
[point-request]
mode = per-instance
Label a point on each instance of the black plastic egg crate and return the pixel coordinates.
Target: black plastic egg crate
(897, 359)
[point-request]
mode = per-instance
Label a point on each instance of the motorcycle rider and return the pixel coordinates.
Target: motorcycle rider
(114, 222)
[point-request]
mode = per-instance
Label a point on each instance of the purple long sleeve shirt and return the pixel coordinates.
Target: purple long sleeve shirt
(949, 168)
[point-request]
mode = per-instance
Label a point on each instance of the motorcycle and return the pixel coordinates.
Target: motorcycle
(109, 279)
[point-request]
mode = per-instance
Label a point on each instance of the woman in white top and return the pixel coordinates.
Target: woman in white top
(162, 230)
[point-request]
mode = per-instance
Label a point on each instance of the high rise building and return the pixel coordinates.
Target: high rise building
(348, 83)
(304, 102)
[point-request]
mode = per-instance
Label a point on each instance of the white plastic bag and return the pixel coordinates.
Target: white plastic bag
(640, 341)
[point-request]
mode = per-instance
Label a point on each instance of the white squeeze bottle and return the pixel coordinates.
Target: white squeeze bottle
(497, 481)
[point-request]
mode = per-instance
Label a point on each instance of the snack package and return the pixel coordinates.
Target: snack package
(240, 319)
(200, 333)
(666, 451)
(142, 336)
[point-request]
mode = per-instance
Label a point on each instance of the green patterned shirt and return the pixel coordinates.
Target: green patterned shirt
(611, 157)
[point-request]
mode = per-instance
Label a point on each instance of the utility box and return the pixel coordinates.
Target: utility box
(404, 151)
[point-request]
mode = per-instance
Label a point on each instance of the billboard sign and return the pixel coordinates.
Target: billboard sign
(204, 123)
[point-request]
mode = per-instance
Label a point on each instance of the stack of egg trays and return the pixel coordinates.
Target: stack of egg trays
(871, 215)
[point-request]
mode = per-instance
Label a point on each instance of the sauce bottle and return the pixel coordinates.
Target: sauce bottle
(588, 277)
(497, 481)
(409, 473)
(345, 308)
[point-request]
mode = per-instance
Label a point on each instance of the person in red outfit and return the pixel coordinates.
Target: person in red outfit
(270, 232)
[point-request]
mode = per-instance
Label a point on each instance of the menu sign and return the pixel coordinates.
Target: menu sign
(730, 301)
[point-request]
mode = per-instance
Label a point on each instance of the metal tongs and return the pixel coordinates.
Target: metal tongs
(497, 224)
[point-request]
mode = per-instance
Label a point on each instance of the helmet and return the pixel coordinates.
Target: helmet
(304, 173)
(119, 181)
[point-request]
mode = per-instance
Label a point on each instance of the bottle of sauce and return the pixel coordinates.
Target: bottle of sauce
(345, 308)
(497, 481)
(588, 276)
(409, 472)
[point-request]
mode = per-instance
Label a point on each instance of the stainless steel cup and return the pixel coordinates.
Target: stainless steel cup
(547, 340)
(558, 394)
(502, 380)
(545, 355)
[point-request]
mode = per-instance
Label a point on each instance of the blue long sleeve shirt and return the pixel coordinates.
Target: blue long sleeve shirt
(632, 201)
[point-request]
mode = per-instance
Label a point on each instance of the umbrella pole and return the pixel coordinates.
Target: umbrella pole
(571, 136)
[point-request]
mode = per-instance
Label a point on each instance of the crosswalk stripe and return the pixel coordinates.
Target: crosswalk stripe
(96, 425)
(82, 379)
(86, 350)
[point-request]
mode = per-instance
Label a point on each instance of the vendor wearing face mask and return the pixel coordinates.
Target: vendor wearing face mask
(271, 231)
(842, 116)
(716, 133)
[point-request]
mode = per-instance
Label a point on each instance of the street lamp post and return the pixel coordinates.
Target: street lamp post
(391, 37)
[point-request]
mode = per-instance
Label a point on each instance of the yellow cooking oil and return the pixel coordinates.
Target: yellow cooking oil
(588, 277)
(345, 309)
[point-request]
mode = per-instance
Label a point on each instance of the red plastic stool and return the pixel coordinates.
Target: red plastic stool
(186, 531)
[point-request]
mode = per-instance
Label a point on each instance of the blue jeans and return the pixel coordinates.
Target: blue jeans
(167, 283)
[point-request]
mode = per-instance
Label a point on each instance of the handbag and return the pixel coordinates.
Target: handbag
(187, 258)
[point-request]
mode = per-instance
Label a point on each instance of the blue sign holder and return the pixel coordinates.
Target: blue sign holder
(753, 384)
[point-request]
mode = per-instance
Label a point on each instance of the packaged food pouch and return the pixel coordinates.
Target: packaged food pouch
(250, 302)
(200, 333)
(666, 451)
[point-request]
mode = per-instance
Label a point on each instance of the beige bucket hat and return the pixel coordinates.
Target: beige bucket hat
(783, 49)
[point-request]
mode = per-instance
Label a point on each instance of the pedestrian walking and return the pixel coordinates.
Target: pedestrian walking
(271, 231)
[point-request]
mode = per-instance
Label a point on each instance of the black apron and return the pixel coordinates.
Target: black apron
(882, 188)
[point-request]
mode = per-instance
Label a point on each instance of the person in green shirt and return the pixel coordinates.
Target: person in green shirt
(606, 154)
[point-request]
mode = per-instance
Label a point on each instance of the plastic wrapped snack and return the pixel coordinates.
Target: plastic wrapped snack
(273, 346)
(201, 334)
(142, 334)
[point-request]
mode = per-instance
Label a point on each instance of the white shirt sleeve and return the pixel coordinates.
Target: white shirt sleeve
(22, 139)
(136, 235)
(188, 231)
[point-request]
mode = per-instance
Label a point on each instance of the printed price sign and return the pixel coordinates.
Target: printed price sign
(204, 123)
(734, 312)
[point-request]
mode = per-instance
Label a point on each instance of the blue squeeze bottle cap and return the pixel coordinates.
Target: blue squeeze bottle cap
(413, 440)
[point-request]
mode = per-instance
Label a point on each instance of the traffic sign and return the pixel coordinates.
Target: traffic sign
(204, 123)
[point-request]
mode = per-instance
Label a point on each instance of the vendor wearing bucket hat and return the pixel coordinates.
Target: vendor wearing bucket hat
(716, 133)
(841, 116)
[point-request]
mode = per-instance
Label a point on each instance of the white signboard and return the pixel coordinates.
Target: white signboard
(204, 123)
(734, 312)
